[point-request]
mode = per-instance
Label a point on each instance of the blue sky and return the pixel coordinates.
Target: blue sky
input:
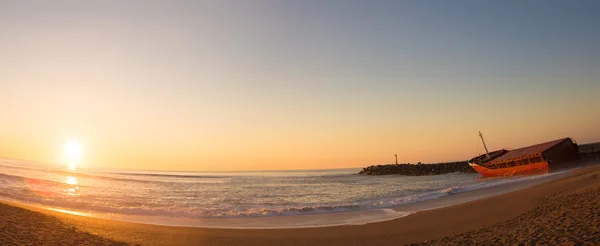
(201, 81)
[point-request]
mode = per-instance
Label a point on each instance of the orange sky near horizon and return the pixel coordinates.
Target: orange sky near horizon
(351, 147)
(212, 86)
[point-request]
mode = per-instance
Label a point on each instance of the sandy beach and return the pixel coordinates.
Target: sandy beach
(560, 212)
(290, 123)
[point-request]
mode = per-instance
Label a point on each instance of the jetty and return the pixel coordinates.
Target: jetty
(419, 169)
(589, 154)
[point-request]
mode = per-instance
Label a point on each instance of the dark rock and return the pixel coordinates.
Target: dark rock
(419, 170)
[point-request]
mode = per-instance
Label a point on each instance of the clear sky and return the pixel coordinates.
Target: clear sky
(252, 85)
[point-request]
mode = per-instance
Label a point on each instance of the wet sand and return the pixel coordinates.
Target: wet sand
(19, 226)
(564, 211)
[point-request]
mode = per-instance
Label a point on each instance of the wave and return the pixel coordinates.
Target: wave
(435, 194)
(72, 174)
(109, 176)
(114, 205)
(172, 175)
(233, 200)
(142, 176)
(34, 181)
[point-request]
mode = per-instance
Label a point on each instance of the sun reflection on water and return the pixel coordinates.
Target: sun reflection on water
(71, 180)
(74, 189)
(68, 211)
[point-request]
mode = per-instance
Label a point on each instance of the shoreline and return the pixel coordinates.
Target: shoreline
(417, 227)
(329, 219)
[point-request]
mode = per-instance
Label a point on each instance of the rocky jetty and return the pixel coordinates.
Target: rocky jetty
(419, 169)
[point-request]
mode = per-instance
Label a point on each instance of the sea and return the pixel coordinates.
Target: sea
(253, 199)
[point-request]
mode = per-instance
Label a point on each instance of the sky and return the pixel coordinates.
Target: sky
(274, 85)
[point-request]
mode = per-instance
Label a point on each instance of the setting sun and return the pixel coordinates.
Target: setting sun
(73, 152)
(237, 122)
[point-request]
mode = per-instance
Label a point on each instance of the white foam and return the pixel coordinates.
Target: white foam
(287, 200)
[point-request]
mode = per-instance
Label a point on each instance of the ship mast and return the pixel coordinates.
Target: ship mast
(487, 153)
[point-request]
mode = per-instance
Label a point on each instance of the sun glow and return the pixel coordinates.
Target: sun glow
(73, 190)
(73, 152)
(71, 180)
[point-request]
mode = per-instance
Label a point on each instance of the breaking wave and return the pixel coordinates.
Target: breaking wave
(197, 195)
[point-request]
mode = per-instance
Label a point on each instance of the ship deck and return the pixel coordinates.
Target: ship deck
(534, 149)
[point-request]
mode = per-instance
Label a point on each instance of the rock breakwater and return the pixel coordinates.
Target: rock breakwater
(419, 169)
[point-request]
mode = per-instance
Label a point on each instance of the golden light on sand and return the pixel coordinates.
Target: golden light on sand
(68, 211)
(71, 180)
(73, 152)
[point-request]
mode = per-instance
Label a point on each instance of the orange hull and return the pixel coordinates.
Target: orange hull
(535, 168)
